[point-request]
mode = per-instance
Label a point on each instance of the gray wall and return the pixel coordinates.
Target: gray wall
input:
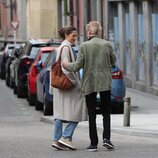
(142, 75)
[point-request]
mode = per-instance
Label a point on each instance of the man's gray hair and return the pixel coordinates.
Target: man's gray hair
(95, 28)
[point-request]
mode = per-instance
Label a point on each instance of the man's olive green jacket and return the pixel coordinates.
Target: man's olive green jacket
(96, 57)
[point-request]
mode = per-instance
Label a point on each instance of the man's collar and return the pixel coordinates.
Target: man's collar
(92, 37)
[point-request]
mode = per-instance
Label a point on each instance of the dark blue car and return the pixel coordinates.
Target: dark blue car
(118, 89)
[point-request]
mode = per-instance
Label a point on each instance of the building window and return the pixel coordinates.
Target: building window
(88, 10)
(71, 12)
(0, 20)
(114, 29)
(155, 42)
(128, 40)
(141, 44)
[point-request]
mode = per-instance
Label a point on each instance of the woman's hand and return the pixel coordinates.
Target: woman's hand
(64, 65)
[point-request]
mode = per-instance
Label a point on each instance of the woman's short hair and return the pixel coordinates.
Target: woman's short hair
(66, 30)
(95, 28)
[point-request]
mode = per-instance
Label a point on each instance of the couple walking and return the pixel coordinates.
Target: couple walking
(95, 57)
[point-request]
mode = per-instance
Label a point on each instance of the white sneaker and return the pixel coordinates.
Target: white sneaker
(67, 143)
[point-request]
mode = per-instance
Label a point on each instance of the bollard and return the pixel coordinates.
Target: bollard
(127, 106)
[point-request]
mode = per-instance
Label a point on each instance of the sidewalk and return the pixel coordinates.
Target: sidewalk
(143, 118)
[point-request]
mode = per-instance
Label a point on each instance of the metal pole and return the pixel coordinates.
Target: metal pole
(14, 37)
(127, 106)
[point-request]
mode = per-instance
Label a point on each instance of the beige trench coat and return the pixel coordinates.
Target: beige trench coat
(69, 104)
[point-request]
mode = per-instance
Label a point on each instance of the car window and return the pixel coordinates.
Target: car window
(12, 53)
(26, 48)
(52, 58)
(33, 53)
(47, 60)
(44, 56)
(8, 46)
(10, 50)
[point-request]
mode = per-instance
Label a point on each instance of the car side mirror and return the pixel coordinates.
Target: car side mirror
(40, 65)
(17, 53)
(113, 66)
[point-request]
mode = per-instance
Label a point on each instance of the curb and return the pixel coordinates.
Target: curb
(118, 130)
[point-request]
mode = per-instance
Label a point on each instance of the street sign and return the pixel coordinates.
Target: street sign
(14, 24)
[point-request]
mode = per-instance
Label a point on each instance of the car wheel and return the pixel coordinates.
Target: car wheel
(38, 105)
(2, 76)
(117, 107)
(31, 99)
(11, 84)
(47, 107)
(7, 82)
(15, 89)
(20, 92)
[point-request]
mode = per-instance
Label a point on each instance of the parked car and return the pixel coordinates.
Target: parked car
(33, 72)
(43, 83)
(8, 49)
(30, 51)
(118, 89)
(117, 93)
(1, 56)
(9, 62)
(13, 67)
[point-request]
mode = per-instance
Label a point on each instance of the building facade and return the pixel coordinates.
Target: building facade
(42, 21)
(27, 19)
(9, 13)
(132, 27)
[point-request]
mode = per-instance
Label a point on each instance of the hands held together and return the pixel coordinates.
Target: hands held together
(64, 65)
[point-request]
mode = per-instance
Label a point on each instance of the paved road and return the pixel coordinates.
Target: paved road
(23, 135)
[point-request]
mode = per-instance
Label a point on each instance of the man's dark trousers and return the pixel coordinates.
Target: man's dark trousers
(91, 101)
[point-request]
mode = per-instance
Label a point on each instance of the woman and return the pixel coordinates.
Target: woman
(69, 105)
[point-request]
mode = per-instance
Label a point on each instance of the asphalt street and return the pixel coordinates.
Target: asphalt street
(24, 135)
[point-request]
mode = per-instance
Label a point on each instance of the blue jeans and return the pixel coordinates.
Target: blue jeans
(68, 131)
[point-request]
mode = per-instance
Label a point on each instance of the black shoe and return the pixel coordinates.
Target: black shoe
(92, 148)
(108, 144)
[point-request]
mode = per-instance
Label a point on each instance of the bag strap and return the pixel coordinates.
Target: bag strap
(61, 52)
(59, 59)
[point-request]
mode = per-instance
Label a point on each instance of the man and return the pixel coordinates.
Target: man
(96, 57)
